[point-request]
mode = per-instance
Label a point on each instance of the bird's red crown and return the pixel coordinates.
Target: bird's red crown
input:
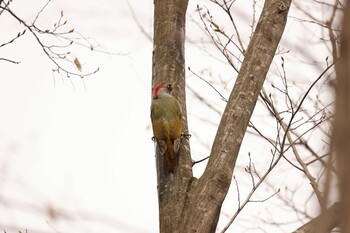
(156, 89)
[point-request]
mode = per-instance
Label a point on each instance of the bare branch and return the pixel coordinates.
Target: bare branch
(267, 198)
(222, 97)
(57, 54)
(8, 60)
(13, 39)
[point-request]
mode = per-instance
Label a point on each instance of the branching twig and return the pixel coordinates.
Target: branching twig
(247, 200)
(58, 54)
(249, 170)
(227, 8)
(267, 198)
(206, 17)
(13, 39)
(222, 97)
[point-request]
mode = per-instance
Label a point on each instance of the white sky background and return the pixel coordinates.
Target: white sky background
(67, 150)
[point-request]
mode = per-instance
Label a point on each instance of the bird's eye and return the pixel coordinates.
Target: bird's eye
(169, 87)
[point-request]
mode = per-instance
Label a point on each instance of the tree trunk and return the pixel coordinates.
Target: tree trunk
(187, 204)
(169, 65)
(328, 220)
(341, 134)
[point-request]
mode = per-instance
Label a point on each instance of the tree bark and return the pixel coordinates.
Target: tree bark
(209, 191)
(187, 204)
(341, 134)
(169, 65)
(328, 220)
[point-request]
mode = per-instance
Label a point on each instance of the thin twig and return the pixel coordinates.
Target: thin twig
(8, 60)
(222, 97)
(198, 161)
(267, 198)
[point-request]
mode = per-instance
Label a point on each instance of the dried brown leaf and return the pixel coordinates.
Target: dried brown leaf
(77, 64)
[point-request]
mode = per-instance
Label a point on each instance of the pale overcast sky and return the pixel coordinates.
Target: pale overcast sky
(78, 157)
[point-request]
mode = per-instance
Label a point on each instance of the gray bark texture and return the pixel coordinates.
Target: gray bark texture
(341, 133)
(328, 220)
(188, 204)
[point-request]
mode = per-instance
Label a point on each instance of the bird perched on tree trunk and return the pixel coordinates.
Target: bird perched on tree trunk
(166, 124)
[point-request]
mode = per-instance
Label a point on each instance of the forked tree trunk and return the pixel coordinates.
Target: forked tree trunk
(188, 204)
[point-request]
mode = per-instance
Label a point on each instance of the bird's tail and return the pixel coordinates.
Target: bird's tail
(170, 158)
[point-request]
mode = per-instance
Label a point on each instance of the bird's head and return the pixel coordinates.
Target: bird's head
(163, 89)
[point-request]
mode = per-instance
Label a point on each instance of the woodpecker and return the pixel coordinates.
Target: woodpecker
(166, 124)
